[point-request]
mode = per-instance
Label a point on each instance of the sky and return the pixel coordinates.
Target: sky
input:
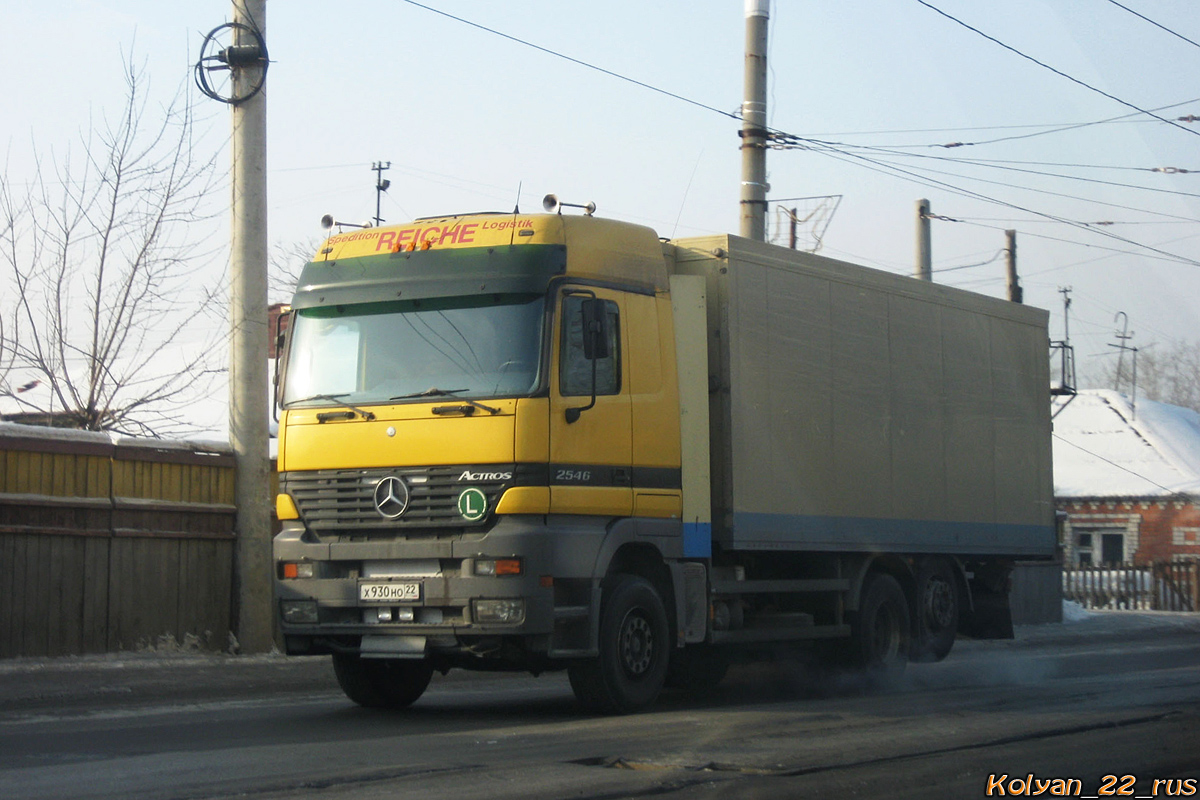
(471, 120)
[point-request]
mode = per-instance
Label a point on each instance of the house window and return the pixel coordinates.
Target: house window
(1112, 548)
(1083, 549)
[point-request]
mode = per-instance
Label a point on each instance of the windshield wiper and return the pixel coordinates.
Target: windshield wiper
(433, 391)
(468, 407)
(335, 398)
(436, 392)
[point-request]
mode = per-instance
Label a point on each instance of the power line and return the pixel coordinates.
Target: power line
(1052, 127)
(1161, 170)
(1107, 222)
(1155, 24)
(991, 260)
(1013, 166)
(926, 181)
(784, 139)
(1112, 250)
(1113, 463)
(573, 60)
(826, 148)
(1058, 72)
(1061, 128)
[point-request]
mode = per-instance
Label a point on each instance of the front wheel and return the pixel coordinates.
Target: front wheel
(381, 683)
(634, 646)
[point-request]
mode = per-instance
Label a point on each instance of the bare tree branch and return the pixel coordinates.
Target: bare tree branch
(1168, 372)
(103, 258)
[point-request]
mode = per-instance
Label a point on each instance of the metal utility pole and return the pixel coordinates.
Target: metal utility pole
(248, 399)
(1124, 335)
(381, 186)
(754, 123)
(1015, 293)
(1065, 291)
(1067, 382)
(923, 270)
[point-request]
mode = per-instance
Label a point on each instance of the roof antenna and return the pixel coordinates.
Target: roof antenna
(512, 232)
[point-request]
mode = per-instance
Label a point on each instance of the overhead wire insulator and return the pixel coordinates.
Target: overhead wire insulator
(215, 60)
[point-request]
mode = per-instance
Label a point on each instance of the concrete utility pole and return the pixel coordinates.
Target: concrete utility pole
(923, 270)
(248, 381)
(754, 123)
(1015, 293)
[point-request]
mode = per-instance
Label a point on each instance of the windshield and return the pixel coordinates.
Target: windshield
(479, 346)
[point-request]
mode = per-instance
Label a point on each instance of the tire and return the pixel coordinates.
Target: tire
(938, 609)
(381, 683)
(634, 647)
(881, 632)
(696, 669)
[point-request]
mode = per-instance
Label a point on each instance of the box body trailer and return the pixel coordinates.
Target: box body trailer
(557, 442)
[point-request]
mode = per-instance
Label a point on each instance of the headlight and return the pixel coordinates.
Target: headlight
(497, 566)
(511, 611)
(299, 612)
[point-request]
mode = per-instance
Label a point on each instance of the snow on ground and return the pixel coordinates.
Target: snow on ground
(1074, 612)
(1105, 447)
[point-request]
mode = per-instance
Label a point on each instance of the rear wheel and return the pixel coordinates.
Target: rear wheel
(630, 670)
(881, 633)
(381, 683)
(937, 610)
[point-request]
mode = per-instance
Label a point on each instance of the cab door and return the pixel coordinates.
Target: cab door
(591, 430)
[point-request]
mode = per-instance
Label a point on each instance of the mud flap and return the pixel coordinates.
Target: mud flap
(690, 579)
(991, 616)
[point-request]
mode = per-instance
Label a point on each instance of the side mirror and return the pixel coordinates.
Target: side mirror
(595, 345)
(595, 329)
(283, 326)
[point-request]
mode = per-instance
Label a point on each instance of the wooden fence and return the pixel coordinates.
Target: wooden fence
(1162, 586)
(112, 545)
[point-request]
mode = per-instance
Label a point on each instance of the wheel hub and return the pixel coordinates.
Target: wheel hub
(885, 636)
(939, 603)
(637, 644)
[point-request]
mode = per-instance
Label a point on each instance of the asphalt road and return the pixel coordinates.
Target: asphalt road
(1114, 695)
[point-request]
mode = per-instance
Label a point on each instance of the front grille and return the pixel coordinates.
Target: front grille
(343, 500)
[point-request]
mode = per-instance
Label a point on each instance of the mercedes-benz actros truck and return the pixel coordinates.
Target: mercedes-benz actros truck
(539, 442)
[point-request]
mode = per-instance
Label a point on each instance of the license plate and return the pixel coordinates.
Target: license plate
(389, 592)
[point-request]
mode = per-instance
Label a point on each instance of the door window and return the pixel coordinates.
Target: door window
(575, 379)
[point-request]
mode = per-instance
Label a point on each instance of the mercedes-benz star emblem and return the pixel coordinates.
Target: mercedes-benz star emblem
(391, 497)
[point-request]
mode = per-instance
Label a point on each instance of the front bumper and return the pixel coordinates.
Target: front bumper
(325, 612)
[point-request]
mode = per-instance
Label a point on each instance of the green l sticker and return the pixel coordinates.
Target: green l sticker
(472, 504)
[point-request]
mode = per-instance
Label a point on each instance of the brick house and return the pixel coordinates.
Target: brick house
(1128, 479)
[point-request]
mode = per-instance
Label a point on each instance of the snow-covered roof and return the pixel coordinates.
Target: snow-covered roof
(17, 430)
(1103, 449)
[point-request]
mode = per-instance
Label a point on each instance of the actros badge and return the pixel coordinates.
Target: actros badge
(391, 497)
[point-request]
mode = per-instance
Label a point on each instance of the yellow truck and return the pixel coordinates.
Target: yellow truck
(540, 442)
